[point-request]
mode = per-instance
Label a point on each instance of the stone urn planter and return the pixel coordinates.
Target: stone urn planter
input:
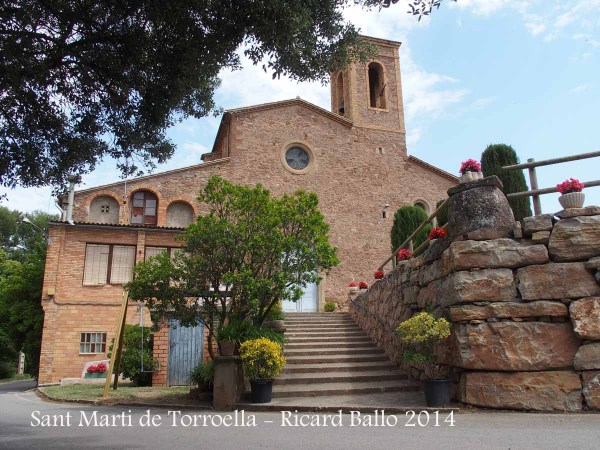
(471, 176)
(277, 324)
(572, 200)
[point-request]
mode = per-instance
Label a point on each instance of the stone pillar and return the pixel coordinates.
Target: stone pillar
(228, 384)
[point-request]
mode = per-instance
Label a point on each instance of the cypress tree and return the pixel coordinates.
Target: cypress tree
(406, 220)
(442, 217)
(493, 159)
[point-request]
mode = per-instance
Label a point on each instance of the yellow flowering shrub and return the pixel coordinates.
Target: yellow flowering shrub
(422, 333)
(262, 359)
(423, 327)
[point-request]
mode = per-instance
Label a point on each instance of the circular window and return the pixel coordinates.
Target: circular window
(297, 158)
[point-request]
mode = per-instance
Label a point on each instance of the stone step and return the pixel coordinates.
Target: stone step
(356, 366)
(320, 326)
(329, 344)
(332, 351)
(325, 333)
(368, 357)
(346, 388)
(339, 377)
(320, 339)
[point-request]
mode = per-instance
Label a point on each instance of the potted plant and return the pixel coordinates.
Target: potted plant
(571, 195)
(403, 254)
(437, 233)
(228, 335)
(276, 317)
(362, 285)
(96, 370)
(262, 360)
(423, 334)
(203, 375)
(470, 170)
(353, 286)
(378, 274)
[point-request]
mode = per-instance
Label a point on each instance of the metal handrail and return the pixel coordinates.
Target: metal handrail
(414, 234)
(535, 192)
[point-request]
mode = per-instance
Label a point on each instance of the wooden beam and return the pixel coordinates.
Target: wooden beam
(115, 357)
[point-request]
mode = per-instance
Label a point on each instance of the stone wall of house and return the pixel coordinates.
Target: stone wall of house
(524, 305)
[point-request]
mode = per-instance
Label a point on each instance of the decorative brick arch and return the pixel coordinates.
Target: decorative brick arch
(169, 220)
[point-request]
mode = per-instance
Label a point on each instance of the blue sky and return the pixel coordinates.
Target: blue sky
(524, 73)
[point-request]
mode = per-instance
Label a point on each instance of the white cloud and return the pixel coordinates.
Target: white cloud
(581, 88)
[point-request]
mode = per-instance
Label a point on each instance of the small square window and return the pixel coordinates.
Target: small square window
(92, 342)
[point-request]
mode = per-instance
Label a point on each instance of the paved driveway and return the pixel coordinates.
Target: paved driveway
(19, 410)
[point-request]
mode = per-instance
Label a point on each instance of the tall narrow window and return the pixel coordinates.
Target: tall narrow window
(96, 264)
(143, 208)
(123, 259)
(376, 86)
(340, 93)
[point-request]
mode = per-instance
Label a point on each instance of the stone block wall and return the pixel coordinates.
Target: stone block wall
(525, 312)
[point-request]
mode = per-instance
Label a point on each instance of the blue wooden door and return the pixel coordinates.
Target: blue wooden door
(186, 351)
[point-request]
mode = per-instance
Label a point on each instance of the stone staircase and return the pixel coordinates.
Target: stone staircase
(329, 355)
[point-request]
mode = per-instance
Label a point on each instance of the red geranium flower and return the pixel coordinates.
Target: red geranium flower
(570, 185)
(437, 233)
(470, 165)
(353, 284)
(363, 285)
(404, 254)
(378, 274)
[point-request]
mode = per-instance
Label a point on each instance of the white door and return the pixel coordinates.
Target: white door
(307, 303)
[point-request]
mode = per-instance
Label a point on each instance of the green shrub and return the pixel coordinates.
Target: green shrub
(276, 312)
(203, 373)
(7, 370)
(493, 159)
(329, 307)
(442, 217)
(133, 356)
(406, 220)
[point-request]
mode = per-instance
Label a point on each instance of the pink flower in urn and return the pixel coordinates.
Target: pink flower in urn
(470, 165)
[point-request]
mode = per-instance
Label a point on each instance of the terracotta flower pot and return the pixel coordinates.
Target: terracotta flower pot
(572, 200)
(226, 348)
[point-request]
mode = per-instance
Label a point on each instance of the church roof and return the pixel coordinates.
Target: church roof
(294, 101)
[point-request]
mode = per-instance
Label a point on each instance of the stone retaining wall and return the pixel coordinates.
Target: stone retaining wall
(525, 311)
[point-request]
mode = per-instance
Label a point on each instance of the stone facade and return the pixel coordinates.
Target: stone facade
(358, 164)
(524, 322)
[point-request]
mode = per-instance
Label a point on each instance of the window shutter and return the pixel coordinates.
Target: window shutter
(123, 259)
(96, 264)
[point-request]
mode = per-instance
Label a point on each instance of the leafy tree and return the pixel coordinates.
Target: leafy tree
(406, 220)
(22, 260)
(85, 80)
(247, 253)
(493, 159)
(134, 355)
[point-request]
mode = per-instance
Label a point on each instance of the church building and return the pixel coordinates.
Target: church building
(352, 156)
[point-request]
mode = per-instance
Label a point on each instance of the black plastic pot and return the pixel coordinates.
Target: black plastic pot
(262, 391)
(437, 392)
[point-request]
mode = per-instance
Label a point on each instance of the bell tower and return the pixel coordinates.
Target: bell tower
(370, 94)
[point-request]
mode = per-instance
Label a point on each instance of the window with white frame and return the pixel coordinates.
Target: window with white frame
(92, 342)
(108, 264)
